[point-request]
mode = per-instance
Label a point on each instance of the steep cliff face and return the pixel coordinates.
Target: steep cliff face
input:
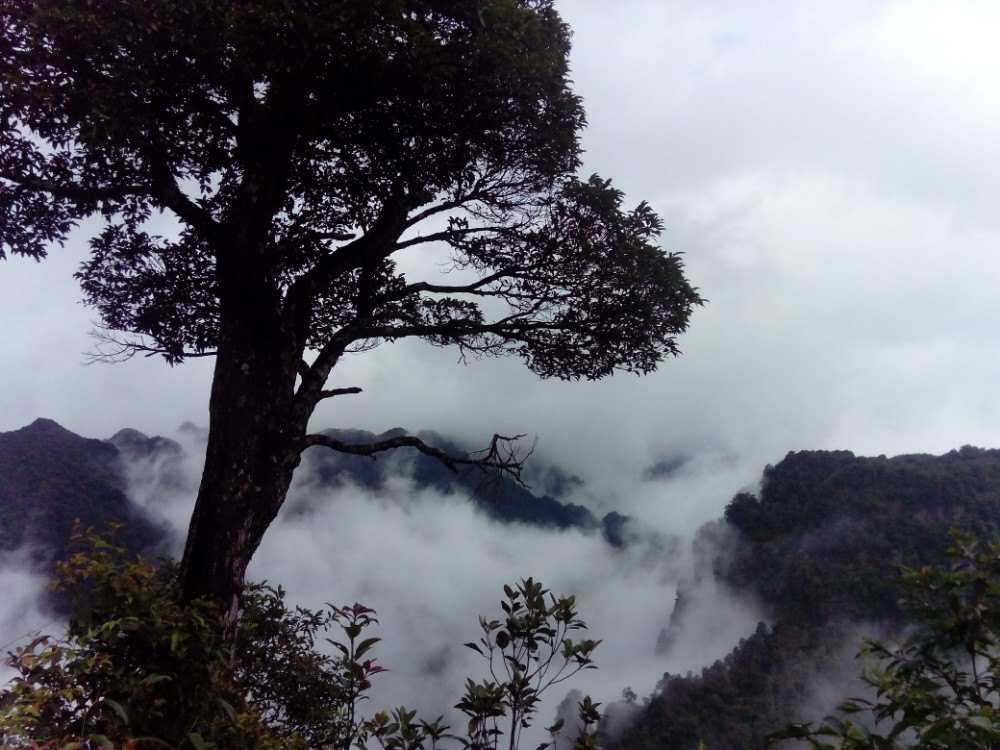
(820, 546)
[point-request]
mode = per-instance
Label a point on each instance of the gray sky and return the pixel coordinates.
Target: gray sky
(829, 169)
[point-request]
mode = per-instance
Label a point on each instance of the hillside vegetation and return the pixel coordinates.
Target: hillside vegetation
(820, 545)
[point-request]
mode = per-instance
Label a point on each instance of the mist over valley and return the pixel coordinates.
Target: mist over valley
(765, 604)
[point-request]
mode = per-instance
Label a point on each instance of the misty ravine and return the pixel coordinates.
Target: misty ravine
(769, 601)
(430, 561)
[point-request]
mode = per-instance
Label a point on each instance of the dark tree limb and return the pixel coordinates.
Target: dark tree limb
(509, 327)
(446, 205)
(314, 376)
(114, 347)
(339, 392)
(377, 243)
(73, 191)
(501, 458)
(166, 189)
(453, 234)
(475, 287)
(502, 452)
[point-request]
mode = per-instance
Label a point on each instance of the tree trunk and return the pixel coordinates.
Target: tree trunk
(253, 448)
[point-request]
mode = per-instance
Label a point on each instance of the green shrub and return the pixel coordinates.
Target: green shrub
(136, 670)
(939, 688)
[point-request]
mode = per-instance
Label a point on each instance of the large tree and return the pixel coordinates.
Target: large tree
(300, 148)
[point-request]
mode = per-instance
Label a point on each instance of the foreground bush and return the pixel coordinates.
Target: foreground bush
(939, 688)
(136, 670)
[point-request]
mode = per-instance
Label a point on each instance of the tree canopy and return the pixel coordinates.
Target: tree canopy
(302, 148)
(304, 142)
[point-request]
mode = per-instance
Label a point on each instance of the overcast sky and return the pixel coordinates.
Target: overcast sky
(830, 171)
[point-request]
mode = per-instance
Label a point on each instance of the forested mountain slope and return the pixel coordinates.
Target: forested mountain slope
(820, 546)
(49, 477)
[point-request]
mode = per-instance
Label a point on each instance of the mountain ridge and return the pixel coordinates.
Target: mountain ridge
(819, 545)
(50, 476)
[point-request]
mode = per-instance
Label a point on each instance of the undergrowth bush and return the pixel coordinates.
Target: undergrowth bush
(136, 670)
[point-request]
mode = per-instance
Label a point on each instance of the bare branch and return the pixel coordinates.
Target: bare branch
(447, 205)
(448, 234)
(339, 392)
(115, 346)
(510, 327)
(473, 288)
(500, 459)
(314, 376)
(502, 452)
(339, 236)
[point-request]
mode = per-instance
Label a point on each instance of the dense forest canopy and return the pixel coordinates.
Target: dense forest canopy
(820, 544)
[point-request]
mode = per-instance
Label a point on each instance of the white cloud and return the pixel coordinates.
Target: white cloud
(24, 614)
(430, 565)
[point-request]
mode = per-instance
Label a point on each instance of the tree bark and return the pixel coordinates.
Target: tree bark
(254, 444)
(248, 469)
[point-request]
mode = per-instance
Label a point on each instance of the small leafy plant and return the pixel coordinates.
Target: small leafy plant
(527, 652)
(134, 669)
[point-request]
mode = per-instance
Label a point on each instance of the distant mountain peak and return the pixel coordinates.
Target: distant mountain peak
(45, 426)
(133, 443)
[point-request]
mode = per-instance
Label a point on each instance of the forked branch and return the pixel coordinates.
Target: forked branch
(501, 460)
(114, 346)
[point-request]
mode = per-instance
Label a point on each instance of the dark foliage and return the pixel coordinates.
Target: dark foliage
(130, 663)
(830, 528)
(937, 688)
(136, 669)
